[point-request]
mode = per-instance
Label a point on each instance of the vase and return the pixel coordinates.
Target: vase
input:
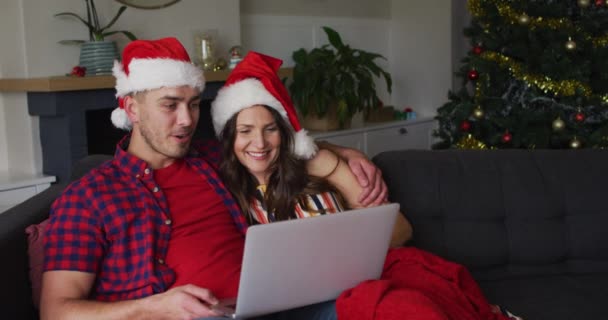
(98, 57)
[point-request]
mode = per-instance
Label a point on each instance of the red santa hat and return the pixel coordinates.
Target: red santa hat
(254, 81)
(152, 64)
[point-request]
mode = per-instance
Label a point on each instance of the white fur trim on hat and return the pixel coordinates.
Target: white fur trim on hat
(149, 74)
(304, 145)
(120, 119)
(238, 96)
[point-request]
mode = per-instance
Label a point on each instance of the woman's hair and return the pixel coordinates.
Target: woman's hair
(288, 184)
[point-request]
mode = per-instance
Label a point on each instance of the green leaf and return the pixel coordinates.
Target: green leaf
(71, 42)
(70, 14)
(334, 38)
(299, 56)
(118, 14)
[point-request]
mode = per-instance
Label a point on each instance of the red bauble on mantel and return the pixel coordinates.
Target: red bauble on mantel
(465, 126)
(600, 3)
(473, 75)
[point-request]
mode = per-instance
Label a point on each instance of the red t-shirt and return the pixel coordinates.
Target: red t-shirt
(206, 248)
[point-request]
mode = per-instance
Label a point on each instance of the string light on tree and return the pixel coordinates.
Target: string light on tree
(478, 113)
(523, 19)
(583, 3)
(570, 44)
(575, 143)
(558, 124)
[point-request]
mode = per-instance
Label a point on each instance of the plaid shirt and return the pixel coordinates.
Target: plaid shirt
(114, 222)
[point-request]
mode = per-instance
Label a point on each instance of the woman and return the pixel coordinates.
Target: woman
(275, 173)
(270, 164)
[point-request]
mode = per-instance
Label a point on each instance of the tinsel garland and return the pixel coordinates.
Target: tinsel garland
(509, 14)
(559, 88)
(468, 142)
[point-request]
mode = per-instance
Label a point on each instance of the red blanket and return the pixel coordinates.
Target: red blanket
(417, 285)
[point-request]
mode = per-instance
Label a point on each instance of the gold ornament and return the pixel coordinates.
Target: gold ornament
(570, 45)
(575, 143)
(558, 124)
(524, 19)
(583, 3)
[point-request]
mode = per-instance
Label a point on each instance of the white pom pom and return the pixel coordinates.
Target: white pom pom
(120, 119)
(304, 145)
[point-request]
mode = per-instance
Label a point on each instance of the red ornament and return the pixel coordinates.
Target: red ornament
(477, 50)
(473, 75)
(579, 117)
(599, 3)
(465, 126)
(507, 137)
(78, 71)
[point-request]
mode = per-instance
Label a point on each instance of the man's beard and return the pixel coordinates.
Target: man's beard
(179, 151)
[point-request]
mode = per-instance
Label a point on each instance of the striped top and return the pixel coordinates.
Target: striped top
(322, 203)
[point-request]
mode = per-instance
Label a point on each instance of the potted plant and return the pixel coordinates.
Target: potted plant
(335, 81)
(97, 55)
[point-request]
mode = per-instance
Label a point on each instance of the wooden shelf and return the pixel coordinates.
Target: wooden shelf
(65, 83)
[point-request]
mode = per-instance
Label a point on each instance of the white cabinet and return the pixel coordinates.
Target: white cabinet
(16, 188)
(375, 138)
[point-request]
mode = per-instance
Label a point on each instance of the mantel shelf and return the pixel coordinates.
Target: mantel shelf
(65, 83)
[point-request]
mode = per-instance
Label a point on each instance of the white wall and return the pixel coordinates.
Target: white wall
(30, 33)
(19, 141)
(323, 8)
(421, 54)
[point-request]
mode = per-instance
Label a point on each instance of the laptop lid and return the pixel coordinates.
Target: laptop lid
(294, 263)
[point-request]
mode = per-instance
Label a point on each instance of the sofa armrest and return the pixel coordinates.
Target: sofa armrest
(33, 210)
(16, 298)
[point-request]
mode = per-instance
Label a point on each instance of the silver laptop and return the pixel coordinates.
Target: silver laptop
(295, 263)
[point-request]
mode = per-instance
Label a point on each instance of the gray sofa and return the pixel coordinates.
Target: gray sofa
(528, 224)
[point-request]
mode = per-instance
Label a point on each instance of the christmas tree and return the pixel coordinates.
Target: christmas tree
(536, 77)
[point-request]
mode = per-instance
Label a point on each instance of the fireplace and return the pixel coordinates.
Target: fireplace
(74, 124)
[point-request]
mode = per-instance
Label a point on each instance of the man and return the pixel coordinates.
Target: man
(129, 239)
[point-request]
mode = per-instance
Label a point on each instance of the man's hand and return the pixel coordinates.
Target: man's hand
(184, 302)
(368, 175)
(370, 178)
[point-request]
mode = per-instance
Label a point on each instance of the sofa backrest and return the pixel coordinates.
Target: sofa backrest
(505, 212)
